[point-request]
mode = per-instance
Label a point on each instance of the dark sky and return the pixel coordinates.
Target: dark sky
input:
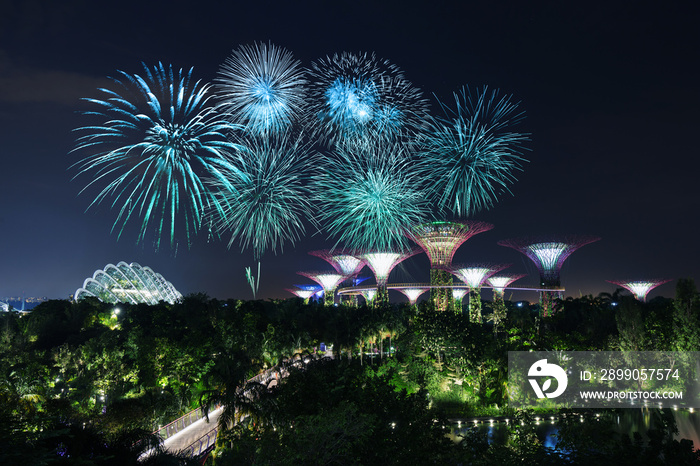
(610, 92)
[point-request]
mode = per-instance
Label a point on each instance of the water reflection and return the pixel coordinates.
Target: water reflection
(627, 421)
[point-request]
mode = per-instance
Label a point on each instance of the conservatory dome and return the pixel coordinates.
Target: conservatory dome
(128, 283)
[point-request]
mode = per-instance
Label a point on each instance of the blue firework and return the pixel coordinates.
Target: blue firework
(156, 139)
(269, 204)
(360, 96)
(262, 87)
(470, 154)
(368, 195)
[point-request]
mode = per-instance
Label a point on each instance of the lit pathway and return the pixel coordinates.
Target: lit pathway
(192, 433)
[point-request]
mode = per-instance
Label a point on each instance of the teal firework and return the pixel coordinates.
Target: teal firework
(358, 96)
(471, 154)
(263, 88)
(368, 195)
(156, 139)
(269, 205)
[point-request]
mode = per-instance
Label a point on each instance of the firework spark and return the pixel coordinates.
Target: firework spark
(158, 138)
(368, 196)
(262, 87)
(266, 206)
(359, 96)
(470, 155)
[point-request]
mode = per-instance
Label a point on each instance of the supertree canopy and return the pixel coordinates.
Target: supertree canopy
(382, 263)
(368, 195)
(262, 87)
(157, 138)
(412, 293)
(470, 155)
(328, 281)
(356, 96)
(549, 253)
(268, 205)
(303, 293)
(640, 288)
(440, 241)
(343, 261)
(128, 283)
(500, 282)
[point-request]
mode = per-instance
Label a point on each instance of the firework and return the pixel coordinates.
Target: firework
(262, 87)
(368, 196)
(157, 140)
(266, 206)
(357, 96)
(470, 155)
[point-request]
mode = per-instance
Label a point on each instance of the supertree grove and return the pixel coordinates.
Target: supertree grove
(470, 155)
(640, 288)
(358, 96)
(159, 137)
(440, 241)
(549, 253)
(262, 87)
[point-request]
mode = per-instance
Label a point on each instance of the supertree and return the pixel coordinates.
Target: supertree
(382, 263)
(328, 281)
(474, 276)
(262, 87)
(440, 241)
(499, 284)
(640, 288)
(412, 293)
(458, 295)
(369, 295)
(268, 205)
(549, 253)
(344, 262)
(358, 96)
(304, 293)
(159, 136)
(368, 195)
(469, 156)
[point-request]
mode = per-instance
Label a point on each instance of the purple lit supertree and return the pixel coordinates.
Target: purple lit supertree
(474, 276)
(549, 253)
(640, 288)
(369, 295)
(305, 292)
(499, 284)
(343, 261)
(382, 263)
(412, 293)
(458, 295)
(440, 241)
(328, 281)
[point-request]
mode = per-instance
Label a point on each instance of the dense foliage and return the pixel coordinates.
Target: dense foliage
(82, 381)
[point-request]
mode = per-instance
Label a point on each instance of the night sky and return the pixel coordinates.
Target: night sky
(610, 93)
